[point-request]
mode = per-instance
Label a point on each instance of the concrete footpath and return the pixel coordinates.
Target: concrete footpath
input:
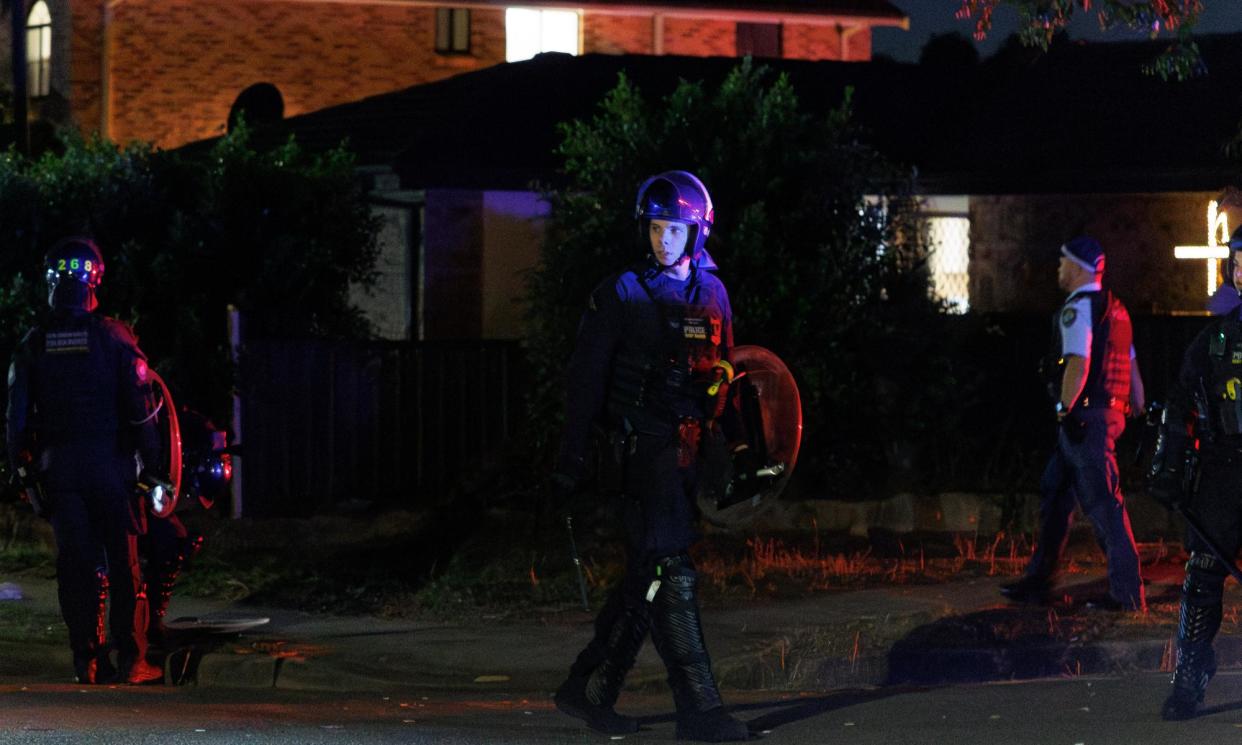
(960, 630)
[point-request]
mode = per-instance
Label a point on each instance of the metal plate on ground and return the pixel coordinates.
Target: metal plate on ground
(216, 624)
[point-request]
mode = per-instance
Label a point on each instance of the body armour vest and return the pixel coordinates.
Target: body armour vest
(1224, 388)
(674, 332)
(76, 361)
(1108, 376)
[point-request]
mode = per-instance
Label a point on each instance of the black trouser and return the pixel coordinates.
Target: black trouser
(94, 520)
(1218, 507)
(1083, 470)
(659, 590)
(164, 548)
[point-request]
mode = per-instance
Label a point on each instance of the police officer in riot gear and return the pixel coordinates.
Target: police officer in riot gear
(1205, 405)
(79, 409)
(654, 340)
(1096, 386)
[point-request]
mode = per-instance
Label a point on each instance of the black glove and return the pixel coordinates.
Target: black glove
(1074, 427)
(745, 462)
(745, 483)
(156, 494)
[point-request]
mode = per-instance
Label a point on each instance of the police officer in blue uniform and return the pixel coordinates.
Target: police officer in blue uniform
(80, 408)
(1096, 386)
(650, 369)
(1205, 400)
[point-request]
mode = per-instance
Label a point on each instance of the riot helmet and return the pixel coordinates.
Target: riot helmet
(74, 267)
(680, 196)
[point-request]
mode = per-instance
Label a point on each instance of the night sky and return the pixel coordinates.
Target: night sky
(928, 17)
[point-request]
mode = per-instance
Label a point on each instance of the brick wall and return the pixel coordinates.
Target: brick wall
(611, 34)
(700, 38)
(178, 65)
(84, 73)
(805, 41)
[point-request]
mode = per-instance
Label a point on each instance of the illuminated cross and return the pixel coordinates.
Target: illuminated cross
(1217, 247)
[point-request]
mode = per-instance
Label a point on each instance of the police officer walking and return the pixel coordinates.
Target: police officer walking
(1206, 399)
(1098, 385)
(652, 345)
(79, 409)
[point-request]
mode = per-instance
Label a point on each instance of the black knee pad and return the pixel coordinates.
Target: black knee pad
(1205, 580)
(673, 580)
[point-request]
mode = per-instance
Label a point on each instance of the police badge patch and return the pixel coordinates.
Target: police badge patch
(1067, 317)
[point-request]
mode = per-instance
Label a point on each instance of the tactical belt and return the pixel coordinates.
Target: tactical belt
(1112, 402)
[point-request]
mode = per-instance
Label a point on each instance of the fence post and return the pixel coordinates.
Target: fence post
(234, 320)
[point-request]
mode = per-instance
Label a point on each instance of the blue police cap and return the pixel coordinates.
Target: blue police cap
(1085, 252)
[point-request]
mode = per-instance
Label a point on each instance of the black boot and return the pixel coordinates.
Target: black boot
(596, 677)
(678, 636)
(162, 582)
(572, 699)
(1197, 626)
(91, 664)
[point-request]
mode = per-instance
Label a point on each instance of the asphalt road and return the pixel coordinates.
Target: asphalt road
(1069, 711)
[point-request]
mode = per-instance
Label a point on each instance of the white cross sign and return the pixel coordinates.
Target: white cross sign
(1217, 247)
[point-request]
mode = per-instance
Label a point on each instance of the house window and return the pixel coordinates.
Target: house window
(759, 39)
(39, 50)
(529, 32)
(950, 260)
(453, 30)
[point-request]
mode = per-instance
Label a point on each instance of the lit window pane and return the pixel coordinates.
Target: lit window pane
(39, 15)
(522, 35)
(38, 50)
(560, 31)
(950, 261)
(529, 32)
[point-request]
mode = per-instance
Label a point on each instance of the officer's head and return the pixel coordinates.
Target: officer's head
(1082, 261)
(675, 214)
(74, 268)
(1233, 267)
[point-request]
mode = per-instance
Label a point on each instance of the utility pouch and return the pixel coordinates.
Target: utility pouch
(613, 447)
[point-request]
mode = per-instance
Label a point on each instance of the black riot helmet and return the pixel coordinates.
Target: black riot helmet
(74, 268)
(679, 195)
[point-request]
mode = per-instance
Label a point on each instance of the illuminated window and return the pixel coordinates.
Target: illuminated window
(529, 32)
(453, 30)
(949, 262)
(39, 50)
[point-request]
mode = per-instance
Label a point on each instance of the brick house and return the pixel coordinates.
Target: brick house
(1014, 157)
(175, 71)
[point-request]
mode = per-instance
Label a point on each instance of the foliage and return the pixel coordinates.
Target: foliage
(281, 235)
(1041, 20)
(829, 278)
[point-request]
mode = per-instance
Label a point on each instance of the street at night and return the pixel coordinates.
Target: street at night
(646, 371)
(1091, 710)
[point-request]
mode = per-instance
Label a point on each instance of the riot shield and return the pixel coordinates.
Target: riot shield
(769, 412)
(161, 497)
